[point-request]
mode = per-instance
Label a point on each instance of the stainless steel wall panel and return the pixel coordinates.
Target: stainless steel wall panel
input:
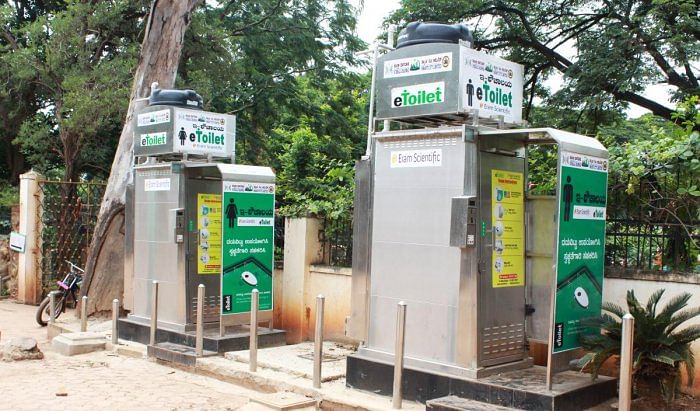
(361, 252)
(429, 330)
(412, 260)
(156, 255)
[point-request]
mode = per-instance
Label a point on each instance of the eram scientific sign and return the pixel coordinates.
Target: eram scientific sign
(413, 66)
(247, 244)
(200, 132)
(492, 86)
(580, 250)
(416, 158)
(508, 222)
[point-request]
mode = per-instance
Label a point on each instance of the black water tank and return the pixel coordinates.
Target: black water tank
(421, 33)
(181, 98)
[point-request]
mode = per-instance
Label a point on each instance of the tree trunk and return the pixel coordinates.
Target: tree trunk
(159, 59)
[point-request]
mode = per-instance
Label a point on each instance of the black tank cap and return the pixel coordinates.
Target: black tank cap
(422, 33)
(181, 98)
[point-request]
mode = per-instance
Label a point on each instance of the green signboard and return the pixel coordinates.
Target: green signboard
(247, 245)
(580, 251)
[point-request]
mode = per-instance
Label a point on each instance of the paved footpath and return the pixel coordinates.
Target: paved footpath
(100, 380)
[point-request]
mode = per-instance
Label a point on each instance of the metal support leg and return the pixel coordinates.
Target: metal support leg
(253, 348)
(154, 313)
(199, 343)
(115, 319)
(83, 314)
(397, 396)
(625, 401)
(318, 340)
(52, 307)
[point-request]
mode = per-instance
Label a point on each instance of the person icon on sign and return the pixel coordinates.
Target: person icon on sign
(568, 197)
(231, 213)
(182, 135)
(470, 93)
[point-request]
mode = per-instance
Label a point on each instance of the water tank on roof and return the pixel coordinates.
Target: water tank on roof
(421, 33)
(180, 98)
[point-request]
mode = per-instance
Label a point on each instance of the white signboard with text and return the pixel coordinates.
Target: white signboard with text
(491, 85)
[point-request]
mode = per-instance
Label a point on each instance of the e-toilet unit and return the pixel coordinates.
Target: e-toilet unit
(443, 220)
(193, 221)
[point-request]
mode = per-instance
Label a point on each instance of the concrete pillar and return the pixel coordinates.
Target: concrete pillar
(29, 264)
(302, 248)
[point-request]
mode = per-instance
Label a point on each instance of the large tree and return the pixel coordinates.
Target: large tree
(609, 49)
(158, 61)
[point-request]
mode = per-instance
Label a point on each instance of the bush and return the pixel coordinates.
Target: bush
(660, 348)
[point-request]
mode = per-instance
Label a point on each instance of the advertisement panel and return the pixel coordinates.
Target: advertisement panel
(209, 228)
(491, 85)
(580, 250)
(200, 132)
(413, 66)
(248, 245)
(508, 222)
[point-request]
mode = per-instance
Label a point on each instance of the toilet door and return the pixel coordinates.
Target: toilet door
(502, 259)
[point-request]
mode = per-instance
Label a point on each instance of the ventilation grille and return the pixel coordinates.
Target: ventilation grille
(211, 308)
(502, 341)
(420, 142)
(154, 172)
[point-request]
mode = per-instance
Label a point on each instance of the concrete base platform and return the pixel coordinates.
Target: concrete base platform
(521, 389)
(179, 354)
(78, 343)
(453, 403)
(236, 339)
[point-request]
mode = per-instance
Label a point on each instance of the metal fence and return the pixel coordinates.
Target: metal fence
(336, 238)
(650, 229)
(66, 218)
(5, 220)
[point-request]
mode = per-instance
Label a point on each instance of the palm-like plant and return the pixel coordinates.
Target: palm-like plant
(660, 348)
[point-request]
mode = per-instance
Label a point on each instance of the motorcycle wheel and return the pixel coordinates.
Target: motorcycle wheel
(43, 312)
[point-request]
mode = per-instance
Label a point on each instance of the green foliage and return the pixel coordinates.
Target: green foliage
(261, 59)
(79, 60)
(9, 195)
(314, 147)
(314, 179)
(661, 347)
(654, 167)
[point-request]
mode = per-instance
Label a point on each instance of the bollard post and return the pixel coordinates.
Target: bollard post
(115, 318)
(199, 342)
(625, 401)
(253, 346)
(154, 313)
(83, 314)
(52, 307)
(397, 396)
(318, 340)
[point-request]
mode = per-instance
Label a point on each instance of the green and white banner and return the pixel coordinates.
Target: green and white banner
(247, 245)
(580, 250)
